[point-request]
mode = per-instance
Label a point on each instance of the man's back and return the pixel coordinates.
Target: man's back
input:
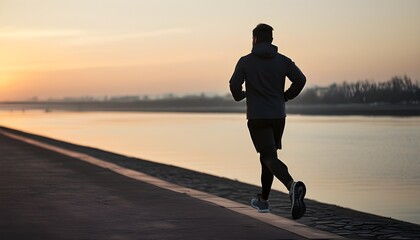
(264, 72)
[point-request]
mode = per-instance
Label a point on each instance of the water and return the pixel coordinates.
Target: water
(369, 164)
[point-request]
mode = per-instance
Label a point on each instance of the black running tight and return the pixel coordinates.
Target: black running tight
(266, 135)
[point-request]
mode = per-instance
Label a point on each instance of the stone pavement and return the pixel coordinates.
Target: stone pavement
(47, 195)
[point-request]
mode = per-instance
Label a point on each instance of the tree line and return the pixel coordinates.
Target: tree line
(396, 90)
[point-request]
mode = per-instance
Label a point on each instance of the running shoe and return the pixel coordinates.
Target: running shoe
(260, 205)
(296, 195)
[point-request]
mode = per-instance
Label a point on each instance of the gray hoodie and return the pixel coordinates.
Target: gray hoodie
(264, 71)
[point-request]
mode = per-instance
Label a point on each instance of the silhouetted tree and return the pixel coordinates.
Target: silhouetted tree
(396, 90)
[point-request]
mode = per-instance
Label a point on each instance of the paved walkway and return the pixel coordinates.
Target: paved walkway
(47, 195)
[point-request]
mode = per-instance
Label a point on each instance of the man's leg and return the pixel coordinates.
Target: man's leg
(266, 136)
(269, 157)
(266, 181)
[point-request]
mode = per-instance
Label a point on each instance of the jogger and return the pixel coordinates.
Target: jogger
(264, 72)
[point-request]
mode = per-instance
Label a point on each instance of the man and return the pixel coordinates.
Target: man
(264, 71)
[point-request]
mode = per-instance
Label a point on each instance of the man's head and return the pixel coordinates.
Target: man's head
(262, 33)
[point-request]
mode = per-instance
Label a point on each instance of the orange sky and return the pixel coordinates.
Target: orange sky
(54, 49)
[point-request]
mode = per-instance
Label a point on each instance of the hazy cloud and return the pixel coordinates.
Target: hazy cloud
(119, 37)
(15, 33)
(83, 37)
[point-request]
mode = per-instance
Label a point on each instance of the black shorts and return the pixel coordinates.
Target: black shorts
(266, 134)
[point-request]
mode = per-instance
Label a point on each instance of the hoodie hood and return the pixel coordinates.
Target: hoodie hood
(264, 50)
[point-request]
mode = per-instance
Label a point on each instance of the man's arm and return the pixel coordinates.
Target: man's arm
(236, 81)
(298, 80)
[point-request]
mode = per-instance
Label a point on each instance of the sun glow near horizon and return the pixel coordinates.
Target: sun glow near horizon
(76, 48)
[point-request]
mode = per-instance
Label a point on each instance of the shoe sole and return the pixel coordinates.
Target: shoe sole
(298, 205)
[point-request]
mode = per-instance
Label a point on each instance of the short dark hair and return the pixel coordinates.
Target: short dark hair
(263, 33)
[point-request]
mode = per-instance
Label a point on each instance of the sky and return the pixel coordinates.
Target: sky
(75, 48)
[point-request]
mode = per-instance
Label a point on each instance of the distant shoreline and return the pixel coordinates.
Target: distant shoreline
(227, 107)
